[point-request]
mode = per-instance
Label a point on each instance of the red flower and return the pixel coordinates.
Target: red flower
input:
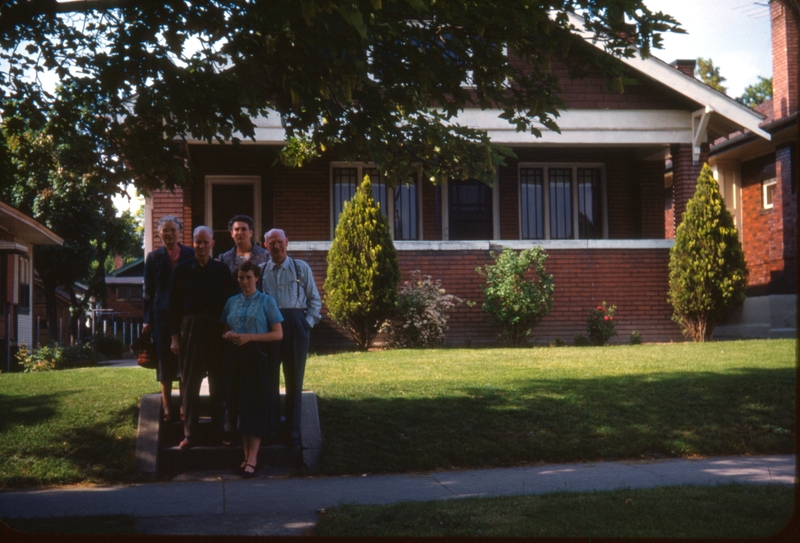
(600, 308)
(611, 318)
(605, 318)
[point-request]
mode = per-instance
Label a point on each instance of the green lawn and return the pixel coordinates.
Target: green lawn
(418, 410)
(729, 511)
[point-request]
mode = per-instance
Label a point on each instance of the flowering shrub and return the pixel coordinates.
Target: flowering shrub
(636, 338)
(519, 292)
(600, 326)
(420, 317)
(43, 358)
(54, 357)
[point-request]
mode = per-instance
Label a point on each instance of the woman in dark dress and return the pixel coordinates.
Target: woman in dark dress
(158, 268)
(252, 319)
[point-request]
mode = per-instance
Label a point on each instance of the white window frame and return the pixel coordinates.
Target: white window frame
(766, 201)
(545, 166)
(254, 180)
(389, 212)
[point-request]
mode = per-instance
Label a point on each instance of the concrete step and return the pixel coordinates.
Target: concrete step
(157, 451)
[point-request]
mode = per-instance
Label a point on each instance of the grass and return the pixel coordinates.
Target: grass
(70, 426)
(730, 511)
(419, 410)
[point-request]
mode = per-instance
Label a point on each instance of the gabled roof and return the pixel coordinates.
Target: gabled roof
(26, 228)
(727, 115)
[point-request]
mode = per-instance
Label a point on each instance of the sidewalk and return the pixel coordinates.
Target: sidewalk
(223, 504)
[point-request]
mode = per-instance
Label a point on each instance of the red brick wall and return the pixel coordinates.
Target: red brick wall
(172, 203)
(769, 235)
(784, 61)
(633, 280)
(126, 310)
(684, 176)
(302, 199)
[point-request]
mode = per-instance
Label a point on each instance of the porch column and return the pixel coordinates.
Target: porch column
(684, 176)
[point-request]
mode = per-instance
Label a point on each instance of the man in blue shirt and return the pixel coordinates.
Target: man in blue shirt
(292, 285)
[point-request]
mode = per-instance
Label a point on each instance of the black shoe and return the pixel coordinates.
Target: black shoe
(248, 474)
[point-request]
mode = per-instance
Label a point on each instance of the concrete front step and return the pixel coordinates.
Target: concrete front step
(157, 450)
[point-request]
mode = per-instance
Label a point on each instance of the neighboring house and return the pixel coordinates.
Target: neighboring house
(758, 179)
(19, 234)
(122, 314)
(591, 196)
(40, 331)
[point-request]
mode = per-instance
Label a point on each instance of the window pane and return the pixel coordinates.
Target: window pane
(405, 211)
(470, 210)
(135, 293)
(590, 218)
(560, 185)
(344, 187)
(532, 202)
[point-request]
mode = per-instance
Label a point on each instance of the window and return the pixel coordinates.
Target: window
(129, 293)
(561, 201)
(768, 189)
(469, 210)
(24, 301)
(400, 203)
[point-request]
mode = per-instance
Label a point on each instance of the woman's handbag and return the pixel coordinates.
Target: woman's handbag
(147, 356)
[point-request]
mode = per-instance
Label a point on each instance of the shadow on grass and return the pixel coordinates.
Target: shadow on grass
(750, 411)
(27, 410)
(100, 448)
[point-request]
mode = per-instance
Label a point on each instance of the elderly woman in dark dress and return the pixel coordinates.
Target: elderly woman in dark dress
(252, 319)
(158, 268)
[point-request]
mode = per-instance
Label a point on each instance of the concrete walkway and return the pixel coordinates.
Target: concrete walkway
(223, 504)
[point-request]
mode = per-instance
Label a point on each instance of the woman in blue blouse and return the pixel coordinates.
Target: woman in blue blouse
(252, 319)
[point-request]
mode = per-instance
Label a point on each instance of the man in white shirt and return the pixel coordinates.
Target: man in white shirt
(292, 285)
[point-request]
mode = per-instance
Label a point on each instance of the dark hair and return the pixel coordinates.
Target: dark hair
(246, 266)
(241, 218)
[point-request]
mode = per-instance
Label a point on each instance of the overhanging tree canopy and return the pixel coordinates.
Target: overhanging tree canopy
(376, 80)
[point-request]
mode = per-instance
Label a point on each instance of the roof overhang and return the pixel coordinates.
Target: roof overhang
(726, 115)
(26, 228)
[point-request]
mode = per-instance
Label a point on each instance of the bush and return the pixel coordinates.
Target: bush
(518, 292)
(54, 357)
(707, 270)
(43, 358)
(557, 342)
(600, 325)
(107, 346)
(81, 355)
(636, 338)
(420, 318)
(363, 271)
(581, 341)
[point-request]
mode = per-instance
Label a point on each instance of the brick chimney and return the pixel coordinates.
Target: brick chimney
(118, 263)
(784, 61)
(686, 65)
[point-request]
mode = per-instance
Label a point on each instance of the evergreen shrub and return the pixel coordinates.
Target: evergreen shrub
(363, 270)
(707, 269)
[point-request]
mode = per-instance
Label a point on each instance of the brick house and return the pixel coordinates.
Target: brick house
(123, 313)
(19, 234)
(758, 179)
(591, 196)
